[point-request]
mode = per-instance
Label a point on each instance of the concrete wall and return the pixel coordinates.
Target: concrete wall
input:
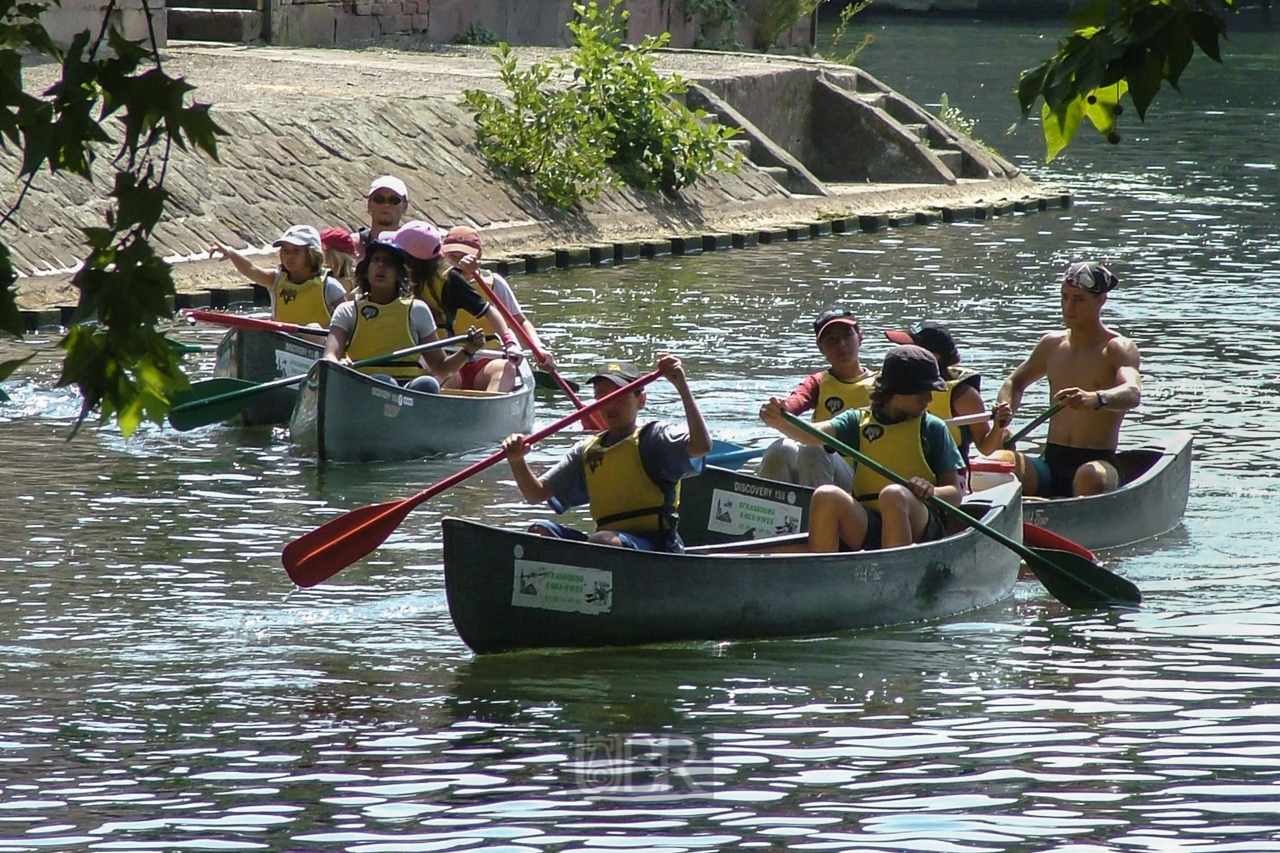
(524, 22)
(74, 16)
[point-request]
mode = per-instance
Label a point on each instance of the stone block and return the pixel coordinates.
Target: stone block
(623, 252)
(655, 248)
(872, 222)
(601, 256)
(820, 228)
(716, 242)
(928, 217)
(192, 300)
(746, 240)
(686, 245)
(772, 235)
(539, 262)
(843, 225)
(576, 256)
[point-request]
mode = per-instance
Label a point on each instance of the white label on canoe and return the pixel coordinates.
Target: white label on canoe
(548, 586)
(292, 364)
(392, 398)
(753, 515)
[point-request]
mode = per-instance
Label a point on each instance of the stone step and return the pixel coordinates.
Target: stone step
(919, 131)
(781, 174)
(952, 159)
(231, 25)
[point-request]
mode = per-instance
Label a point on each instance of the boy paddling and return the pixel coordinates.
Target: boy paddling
(629, 475)
(897, 431)
(1093, 371)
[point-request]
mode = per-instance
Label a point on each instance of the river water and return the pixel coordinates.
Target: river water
(162, 688)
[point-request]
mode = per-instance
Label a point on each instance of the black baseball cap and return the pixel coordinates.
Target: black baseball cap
(620, 373)
(934, 337)
(910, 370)
(1090, 276)
(833, 314)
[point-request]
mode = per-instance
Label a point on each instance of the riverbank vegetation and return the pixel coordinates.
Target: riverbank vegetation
(576, 124)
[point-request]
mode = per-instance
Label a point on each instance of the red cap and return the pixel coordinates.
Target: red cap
(336, 238)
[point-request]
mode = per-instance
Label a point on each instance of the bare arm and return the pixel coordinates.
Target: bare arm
(771, 414)
(1035, 368)
(699, 443)
(532, 489)
(966, 400)
(1121, 397)
(335, 348)
(255, 274)
(442, 366)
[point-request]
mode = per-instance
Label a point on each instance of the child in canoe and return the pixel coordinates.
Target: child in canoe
(302, 290)
(629, 475)
(897, 431)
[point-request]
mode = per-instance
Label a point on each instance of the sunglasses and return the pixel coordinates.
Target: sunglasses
(386, 199)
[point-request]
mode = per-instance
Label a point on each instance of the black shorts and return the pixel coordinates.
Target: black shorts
(934, 528)
(1056, 468)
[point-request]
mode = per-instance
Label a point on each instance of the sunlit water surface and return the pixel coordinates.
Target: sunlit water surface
(162, 689)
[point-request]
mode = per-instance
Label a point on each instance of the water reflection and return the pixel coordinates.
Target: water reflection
(163, 688)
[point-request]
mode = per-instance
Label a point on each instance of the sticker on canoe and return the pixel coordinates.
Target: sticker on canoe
(569, 589)
(392, 398)
(751, 515)
(293, 364)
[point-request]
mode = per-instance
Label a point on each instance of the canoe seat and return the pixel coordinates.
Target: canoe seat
(467, 392)
(792, 543)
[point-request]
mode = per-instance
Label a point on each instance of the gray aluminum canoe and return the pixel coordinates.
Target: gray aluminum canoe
(510, 590)
(259, 356)
(342, 415)
(1157, 480)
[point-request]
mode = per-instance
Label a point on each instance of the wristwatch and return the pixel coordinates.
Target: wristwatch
(1103, 399)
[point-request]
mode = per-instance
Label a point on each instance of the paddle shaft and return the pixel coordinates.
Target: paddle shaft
(330, 548)
(1038, 562)
(255, 323)
(538, 352)
(1035, 422)
(244, 394)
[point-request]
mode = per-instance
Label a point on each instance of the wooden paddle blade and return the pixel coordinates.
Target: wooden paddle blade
(1035, 536)
(1080, 583)
(319, 555)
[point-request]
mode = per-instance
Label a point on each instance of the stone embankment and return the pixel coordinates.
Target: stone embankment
(825, 148)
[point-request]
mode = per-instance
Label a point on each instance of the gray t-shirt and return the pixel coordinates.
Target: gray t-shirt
(421, 322)
(662, 450)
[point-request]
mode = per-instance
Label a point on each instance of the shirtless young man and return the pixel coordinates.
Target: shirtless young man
(1093, 371)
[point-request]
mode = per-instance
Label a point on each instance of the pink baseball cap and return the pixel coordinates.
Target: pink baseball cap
(419, 238)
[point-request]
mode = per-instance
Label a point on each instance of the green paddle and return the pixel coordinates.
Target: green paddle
(223, 398)
(547, 382)
(1026, 430)
(1070, 578)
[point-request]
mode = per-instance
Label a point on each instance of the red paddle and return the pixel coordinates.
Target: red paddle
(538, 352)
(1035, 536)
(256, 323)
(316, 556)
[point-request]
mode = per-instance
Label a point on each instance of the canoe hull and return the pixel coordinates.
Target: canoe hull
(343, 415)
(510, 591)
(259, 356)
(1152, 500)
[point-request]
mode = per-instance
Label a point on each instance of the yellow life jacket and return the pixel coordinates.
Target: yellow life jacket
(381, 329)
(897, 447)
(622, 495)
(301, 303)
(836, 395)
(457, 322)
(940, 402)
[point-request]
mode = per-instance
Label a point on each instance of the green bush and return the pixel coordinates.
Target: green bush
(575, 123)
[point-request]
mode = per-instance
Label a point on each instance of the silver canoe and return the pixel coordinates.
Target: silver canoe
(342, 415)
(259, 356)
(1157, 481)
(509, 590)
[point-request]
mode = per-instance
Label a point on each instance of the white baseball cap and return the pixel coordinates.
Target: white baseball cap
(300, 235)
(388, 182)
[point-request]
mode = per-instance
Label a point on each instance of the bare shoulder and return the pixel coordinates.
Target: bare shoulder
(1122, 349)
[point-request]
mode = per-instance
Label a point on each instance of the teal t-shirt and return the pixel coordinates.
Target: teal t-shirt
(940, 451)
